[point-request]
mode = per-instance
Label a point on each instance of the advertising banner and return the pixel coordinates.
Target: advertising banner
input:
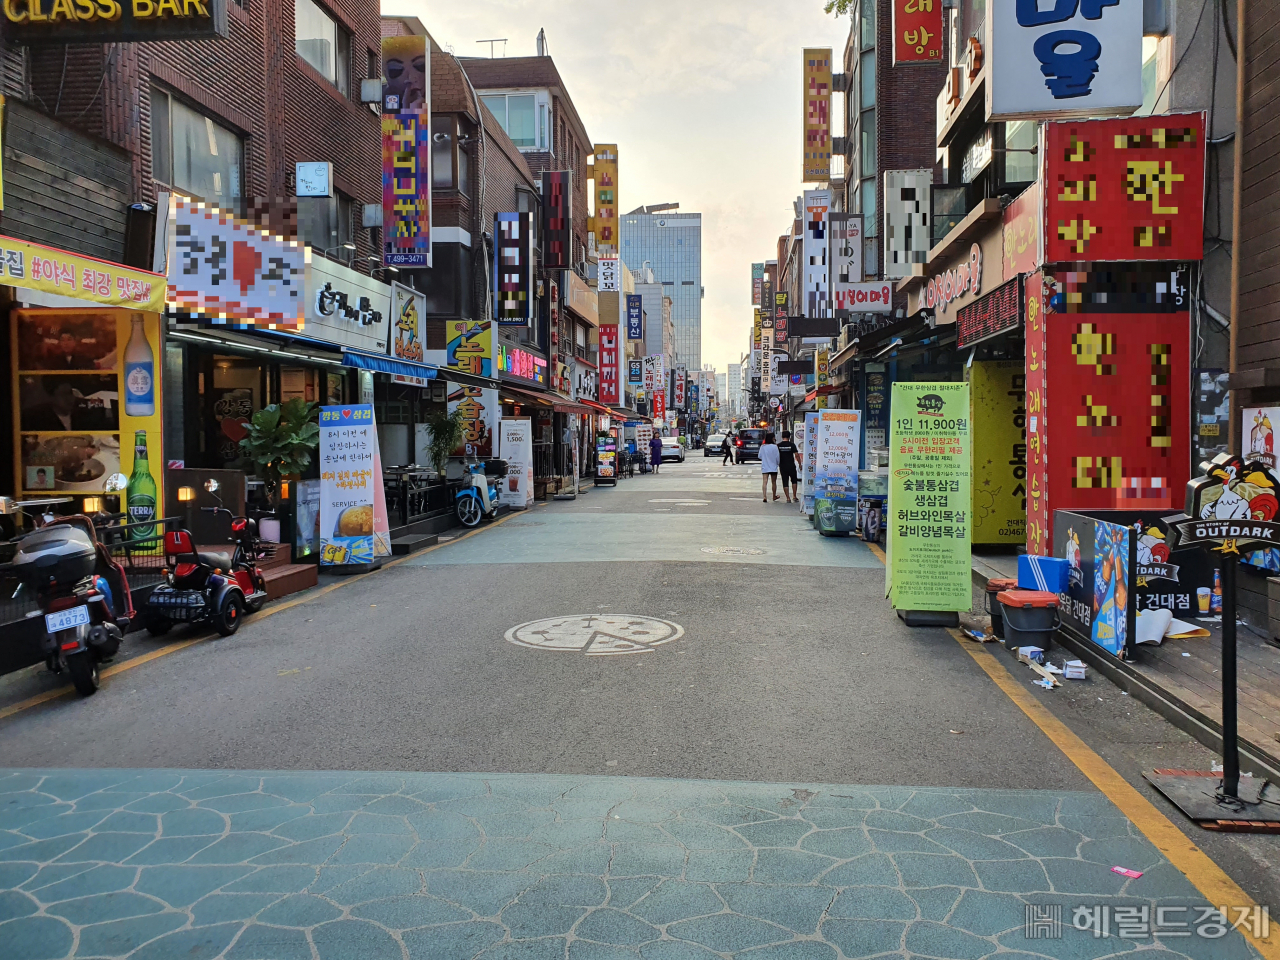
(408, 313)
(353, 509)
(1052, 62)
(114, 21)
(469, 346)
(930, 500)
(1021, 233)
(816, 291)
(838, 453)
(757, 283)
(557, 219)
(610, 356)
(678, 387)
(481, 412)
(999, 419)
(516, 447)
(87, 403)
(1097, 602)
(32, 266)
(809, 451)
(1130, 189)
(605, 222)
(1258, 435)
(917, 31)
(907, 198)
(635, 317)
(513, 268)
(875, 407)
(347, 308)
(817, 115)
(406, 152)
(845, 258)
(226, 270)
(607, 459)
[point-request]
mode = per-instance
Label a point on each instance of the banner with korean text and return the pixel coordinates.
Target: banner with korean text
(353, 509)
(930, 500)
(406, 152)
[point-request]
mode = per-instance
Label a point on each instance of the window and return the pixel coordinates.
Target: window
(322, 43)
(867, 148)
(867, 20)
(1020, 135)
(442, 139)
(515, 113)
(192, 153)
(870, 226)
(325, 223)
(867, 74)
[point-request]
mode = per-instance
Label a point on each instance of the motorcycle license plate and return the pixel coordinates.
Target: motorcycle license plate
(66, 619)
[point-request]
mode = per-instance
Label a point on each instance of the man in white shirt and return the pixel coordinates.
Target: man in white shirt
(768, 467)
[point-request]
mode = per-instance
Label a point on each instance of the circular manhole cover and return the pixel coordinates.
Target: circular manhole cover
(735, 551)
(596, 635)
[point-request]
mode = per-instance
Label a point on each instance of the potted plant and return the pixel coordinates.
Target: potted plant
(446, 435)
(280, 441)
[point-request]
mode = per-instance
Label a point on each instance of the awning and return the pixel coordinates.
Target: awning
(406, 368)
(568, 406)
(600, 407)
(846, 354)
(525, 396)
(226, 341)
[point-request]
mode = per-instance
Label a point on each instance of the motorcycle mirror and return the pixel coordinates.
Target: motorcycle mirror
(116, 483)
(211, 485)
(9, 507)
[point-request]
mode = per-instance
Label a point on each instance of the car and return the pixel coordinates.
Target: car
(712, 447)
(672, 449)
(746, 445)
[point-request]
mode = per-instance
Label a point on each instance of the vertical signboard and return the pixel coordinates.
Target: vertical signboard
(999, 417)
(513, 267)
(836, 474)
(845, 259)
(817, 204)
(1039, 540)
(757, 283)
(1067, 59)
(809, 451)
(469, 348)
(766, 352)
(610, 374)
(516, 447)
(930, 501)
(557, 219)
(408, 315)
(480, 415)
(817, 115)
(678, 388)
(1020, 232)
(606, 184)
(610, 280)
(822, 368)
(907, 198)
(875, 407)
(780, 318)
(353, 508)
(917, 31)
(635, 317)
(406, 152)
(755, 329)
(1129, 189)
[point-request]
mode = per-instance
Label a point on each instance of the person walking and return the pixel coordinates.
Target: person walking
(726, 447)
(788, 454)
(768, 467)
(655, 452)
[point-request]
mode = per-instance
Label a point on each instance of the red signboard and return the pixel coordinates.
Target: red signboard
(1021, 232)
(609, 363)
(917, 31)
(1130, 189)
(996, 313)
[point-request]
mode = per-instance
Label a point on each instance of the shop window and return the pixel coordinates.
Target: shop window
(191, 152)
(325, 223)
(443, 138)
(319, 40)
(1020, 138)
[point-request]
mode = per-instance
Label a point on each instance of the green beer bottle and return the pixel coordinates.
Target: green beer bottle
(142, 491)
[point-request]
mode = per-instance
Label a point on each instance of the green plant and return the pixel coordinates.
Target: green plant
(839, 7)
(446, 434)
(280, 440)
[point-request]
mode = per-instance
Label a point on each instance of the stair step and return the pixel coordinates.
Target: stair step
(290, 578)
(413, 542)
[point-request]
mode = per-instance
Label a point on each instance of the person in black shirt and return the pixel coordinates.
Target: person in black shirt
(788, 454)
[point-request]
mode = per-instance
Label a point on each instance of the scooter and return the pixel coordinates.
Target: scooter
(217, 588)
(478, 499)
(82, 591)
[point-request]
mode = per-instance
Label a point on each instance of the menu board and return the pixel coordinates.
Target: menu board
(929, 498)
(839, 443)
(809, 450)
(353, 507)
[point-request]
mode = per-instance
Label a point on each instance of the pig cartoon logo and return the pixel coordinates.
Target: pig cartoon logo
(930, 404)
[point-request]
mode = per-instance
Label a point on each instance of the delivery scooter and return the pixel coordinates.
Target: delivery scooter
(478, 498)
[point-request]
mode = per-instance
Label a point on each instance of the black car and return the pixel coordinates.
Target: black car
(746, 445)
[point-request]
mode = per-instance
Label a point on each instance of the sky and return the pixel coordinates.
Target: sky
(703, 98)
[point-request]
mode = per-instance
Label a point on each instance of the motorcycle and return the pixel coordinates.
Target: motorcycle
(478, 498)
(216, 588)
(82, 592)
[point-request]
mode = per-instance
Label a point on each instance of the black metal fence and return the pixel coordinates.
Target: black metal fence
(414, 495)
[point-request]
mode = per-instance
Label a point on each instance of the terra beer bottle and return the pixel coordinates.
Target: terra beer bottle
(142, 491)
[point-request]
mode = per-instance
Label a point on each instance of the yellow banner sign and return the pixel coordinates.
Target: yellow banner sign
(36, 267)
(606, 184)
(817, 115)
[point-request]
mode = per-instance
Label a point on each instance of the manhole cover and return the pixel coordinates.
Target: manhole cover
(735, 551)
(597, 636)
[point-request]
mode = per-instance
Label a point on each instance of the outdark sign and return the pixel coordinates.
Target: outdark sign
(38, 22)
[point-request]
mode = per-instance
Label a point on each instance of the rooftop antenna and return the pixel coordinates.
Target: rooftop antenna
(501, 40)
(542, 43)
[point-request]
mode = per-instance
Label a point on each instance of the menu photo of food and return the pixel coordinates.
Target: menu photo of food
(72, 462)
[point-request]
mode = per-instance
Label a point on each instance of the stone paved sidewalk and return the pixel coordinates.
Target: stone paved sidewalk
(156, 865)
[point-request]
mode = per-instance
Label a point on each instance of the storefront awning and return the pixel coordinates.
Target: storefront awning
(600, 408)
(524, 396)
(248, 345)
(568, 406)
(405, 368)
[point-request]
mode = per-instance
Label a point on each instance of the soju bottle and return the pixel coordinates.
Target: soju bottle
(139, 373)
(142, 491)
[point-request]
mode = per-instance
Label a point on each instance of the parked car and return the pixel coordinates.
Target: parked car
(746, 445)
(712, 447)
(672, 449)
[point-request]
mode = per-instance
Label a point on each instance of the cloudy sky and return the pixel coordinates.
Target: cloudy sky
(703, 98)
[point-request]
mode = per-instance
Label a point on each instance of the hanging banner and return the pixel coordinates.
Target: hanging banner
(610, 374)
(50, 270)
(930, 501)
(513, 268)
(635, 317)
(917, 31)
(353, 509)
(817, 115)
(557, 219)
(816, 292)
(999, 420)
(845, 259)
(480, 411)
(406, 152)
(516, 447)
(809, 450)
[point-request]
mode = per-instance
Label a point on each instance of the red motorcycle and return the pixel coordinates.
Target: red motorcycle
(208, 587)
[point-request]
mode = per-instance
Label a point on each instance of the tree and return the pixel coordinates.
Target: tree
(839, 7)
(280, 440)
(446, 428)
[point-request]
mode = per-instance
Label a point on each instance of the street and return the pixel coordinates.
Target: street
(692, 728)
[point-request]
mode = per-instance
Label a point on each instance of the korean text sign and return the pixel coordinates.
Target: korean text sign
(817, 115)
(838, 454)
(930, 505)
(917, 31)
(635, 316)
(516, 447)
(610, 356)
(227, 270)
(606, 184)
(1129, 189)
(36, 267)
(1067, 58)
(353, 509)
(406, 152)
(810, 453)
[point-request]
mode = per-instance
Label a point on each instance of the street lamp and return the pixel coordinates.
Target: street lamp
(384, 269)
(341, 246)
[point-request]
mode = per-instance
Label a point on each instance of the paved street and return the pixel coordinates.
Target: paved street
(693, 729)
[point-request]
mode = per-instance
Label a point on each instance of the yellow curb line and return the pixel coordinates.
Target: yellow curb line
(307, 597)
(879, 554)
(1218, 888)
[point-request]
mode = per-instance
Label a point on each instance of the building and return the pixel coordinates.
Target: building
(670, 243)
(732, 393)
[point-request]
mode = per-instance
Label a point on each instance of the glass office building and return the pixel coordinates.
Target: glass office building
(672, 244)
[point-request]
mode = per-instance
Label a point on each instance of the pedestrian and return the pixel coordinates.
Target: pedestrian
(768, 467)
(788, 454)
(655, 452)
(726, 447)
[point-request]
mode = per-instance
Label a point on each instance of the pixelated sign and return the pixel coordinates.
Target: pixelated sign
(557, 215)
(817, 115)
(845, 260)
(917, 31)
(610, 356)
(406, 190)
(606, 182)
(907, 198)
(817, 298)
(1129, 189)
(513, 267)
(757, 283)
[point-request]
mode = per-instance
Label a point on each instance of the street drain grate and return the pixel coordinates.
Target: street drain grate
(735, 551)
(606, 635)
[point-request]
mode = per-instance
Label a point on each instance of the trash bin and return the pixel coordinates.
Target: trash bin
(993, 608)
(1030, 617)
